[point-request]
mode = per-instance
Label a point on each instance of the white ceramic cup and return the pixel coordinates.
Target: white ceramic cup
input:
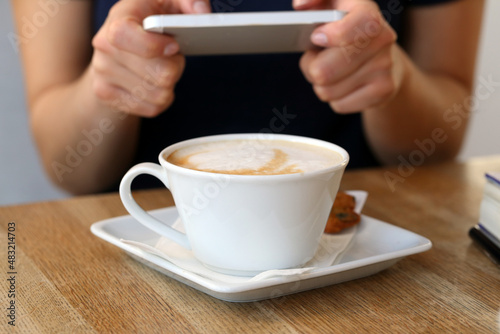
(243, 224)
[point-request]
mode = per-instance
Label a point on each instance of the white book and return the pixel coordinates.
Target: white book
(492, 191)
(489, 211)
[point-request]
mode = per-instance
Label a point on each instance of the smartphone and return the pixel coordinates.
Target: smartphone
(242, 33)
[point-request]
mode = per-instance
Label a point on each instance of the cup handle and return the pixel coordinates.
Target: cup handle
(138, 213)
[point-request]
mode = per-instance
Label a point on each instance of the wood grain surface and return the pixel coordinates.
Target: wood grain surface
(69, 281)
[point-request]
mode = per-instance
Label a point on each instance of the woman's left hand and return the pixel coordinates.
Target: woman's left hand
(357, 65)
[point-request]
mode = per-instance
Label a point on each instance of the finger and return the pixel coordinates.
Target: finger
(378, 72)
(350, 85)
(127, 35)
(121, 100)
(370, 95)
(129, 60)
(326, 67)
(194, 6)
(149, 45)
(336, 63)
(331, 66)
(308, 4)
(359, 27)
(140, 9)
(162, 72)
(305, 64)
(140, 89)
(152, 85)
(124, 25)
(369, 72)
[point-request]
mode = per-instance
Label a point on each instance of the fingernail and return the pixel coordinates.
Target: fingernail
(201, 7)
(171, 49)
(320, 39)
(300, 3)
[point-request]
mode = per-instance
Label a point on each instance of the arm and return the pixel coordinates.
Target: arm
(404, 94)
(85, 104)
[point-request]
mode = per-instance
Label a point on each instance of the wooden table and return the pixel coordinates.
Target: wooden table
(66, 280)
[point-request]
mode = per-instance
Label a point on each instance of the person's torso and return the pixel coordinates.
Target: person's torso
(252, 93)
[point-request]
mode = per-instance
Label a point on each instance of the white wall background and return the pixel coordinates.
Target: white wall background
(22, 179)
(484, 136)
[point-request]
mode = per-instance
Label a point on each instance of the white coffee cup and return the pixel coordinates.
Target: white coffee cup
(244, 224)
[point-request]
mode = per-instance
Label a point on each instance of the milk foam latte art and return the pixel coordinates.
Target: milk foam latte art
(254, 157)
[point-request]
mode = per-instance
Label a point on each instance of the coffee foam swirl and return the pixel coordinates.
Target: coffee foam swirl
(254, 157)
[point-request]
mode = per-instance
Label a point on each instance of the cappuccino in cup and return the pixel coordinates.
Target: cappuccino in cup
(249, 202)
(254, 157)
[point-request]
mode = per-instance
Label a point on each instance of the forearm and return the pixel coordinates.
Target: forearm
(428, 108)
(85, 146)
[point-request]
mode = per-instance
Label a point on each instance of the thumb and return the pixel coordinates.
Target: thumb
(193, 6)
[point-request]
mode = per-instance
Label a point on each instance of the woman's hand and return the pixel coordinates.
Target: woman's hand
(404, 94)
(135, 71)
(358, 66)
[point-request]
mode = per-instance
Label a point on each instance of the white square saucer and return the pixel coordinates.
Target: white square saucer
(375, 246)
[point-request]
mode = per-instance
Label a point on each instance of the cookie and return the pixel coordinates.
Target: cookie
(342, 214)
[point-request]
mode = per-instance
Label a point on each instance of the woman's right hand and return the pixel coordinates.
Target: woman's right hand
(135, 71)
